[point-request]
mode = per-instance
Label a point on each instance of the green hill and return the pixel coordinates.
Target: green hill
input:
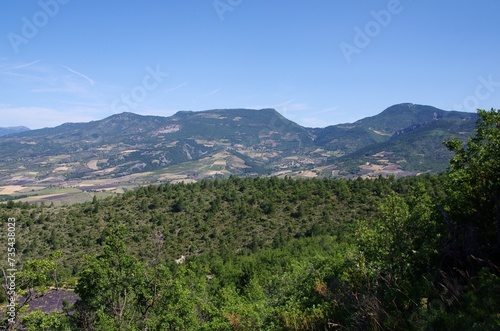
(126, 150)
(269, 253)
(418, 148)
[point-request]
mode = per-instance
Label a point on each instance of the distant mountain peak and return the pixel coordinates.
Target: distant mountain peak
(183, 113)
(16, 128)
(13, 129)
(234, 141)
(124, 116)
(401, 107)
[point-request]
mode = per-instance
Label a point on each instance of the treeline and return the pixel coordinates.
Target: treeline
(236, 214)
(414, 253)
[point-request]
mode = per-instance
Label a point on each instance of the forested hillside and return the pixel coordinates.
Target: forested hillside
(74, 161)
(413, 253)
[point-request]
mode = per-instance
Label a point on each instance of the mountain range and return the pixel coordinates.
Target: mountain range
(14, 129)
(128, 149)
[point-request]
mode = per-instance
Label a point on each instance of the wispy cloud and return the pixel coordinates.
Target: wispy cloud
(91, 81)
(176, 87)
(49, 84)
(39, 77)
(211, 93)
(42, 94)
(20, 66)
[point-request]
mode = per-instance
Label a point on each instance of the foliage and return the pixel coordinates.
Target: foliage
(39, 321)
(475, 180)
(278, 254)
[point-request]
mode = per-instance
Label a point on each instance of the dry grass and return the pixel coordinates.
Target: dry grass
(11, 189)
(93, 165)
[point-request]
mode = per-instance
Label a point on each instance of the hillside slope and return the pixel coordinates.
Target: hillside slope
(126, 149)
(11, 130)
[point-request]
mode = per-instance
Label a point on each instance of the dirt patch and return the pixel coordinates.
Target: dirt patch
(185, 181)
(12, 189)
(93, 165)
(371, 167)
(61, 169)
(169, 129)
(309, 174)
(220, 163)
(105, 171)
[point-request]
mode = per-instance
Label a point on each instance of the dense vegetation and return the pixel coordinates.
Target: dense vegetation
(417, 145)
(276, 254)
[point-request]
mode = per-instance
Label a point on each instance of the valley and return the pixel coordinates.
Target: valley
(75, 161)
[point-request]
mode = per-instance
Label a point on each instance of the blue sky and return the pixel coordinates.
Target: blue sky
(318, 62)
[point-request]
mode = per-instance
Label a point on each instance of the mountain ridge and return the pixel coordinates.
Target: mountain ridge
(128, 148)
(13, 129)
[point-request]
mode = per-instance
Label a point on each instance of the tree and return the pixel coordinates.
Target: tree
(398, 248)
(108, 284)
(40, 321)
(475, 179)
(32, 282)
(468, 286)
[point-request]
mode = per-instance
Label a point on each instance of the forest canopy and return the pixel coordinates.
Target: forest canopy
(267, 253)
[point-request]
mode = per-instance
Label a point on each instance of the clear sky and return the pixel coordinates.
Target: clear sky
(318, 62)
